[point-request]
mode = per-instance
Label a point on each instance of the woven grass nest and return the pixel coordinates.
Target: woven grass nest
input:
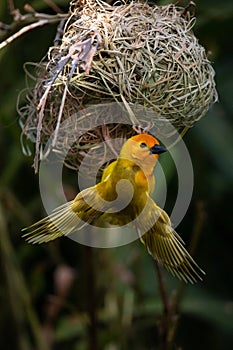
(137, 54)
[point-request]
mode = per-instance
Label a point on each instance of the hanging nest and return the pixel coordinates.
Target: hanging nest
(137, 54)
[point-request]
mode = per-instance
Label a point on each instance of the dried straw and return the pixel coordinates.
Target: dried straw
(143, 54)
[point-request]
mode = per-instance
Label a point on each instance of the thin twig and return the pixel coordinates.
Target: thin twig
(162, 288)
(34, 19)
(24, 30)
(168, 318)
(59, 117)
(41, 108)
(91, 296)
(180, 137)
(53, 6)
(11, 6)
(108, 140)
(197, 229)
(175, 300)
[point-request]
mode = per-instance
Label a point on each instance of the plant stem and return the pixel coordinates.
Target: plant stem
(168, 319)
(91, 297)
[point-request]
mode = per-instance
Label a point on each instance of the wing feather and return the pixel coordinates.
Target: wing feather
(67, 218)
(166, 246)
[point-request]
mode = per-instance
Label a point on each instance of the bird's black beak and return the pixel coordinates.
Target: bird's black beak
(157, 149)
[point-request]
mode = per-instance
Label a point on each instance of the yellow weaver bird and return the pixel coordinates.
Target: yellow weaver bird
(99, 204)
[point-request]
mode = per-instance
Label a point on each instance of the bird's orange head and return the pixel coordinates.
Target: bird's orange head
(143, 149)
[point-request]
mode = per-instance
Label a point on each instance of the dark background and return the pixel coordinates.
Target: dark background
(49, 293)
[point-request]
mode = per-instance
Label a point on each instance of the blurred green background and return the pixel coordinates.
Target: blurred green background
(65, 296)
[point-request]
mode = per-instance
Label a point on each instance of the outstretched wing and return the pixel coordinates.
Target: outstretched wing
(85, 208)
(166, 246)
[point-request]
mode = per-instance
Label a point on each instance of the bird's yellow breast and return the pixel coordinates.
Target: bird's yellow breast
(146, 183)
(125, 169)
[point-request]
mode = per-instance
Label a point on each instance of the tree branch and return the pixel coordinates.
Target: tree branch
(35, 19)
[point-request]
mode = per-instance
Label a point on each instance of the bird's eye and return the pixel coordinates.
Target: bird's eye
(143, 145)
